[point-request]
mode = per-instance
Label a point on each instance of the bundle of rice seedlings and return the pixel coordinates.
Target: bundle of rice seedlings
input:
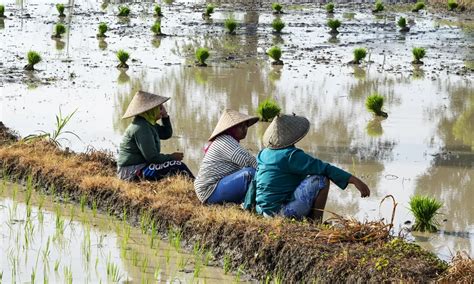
(202, 54)
(156, 29)
(418, 54)
(359, 54)
(2, 11)
(278, 25)
(378, 6)
(124, 11)
(102, 29)
(275, 53)
(60, 8)
(425, 209)
(330, 8)
(277, 8)
(268, 109)
(158, 11)
(59, 29)
(33, 58)
(209, 10)
(418, 6)
(402, 23)
(374, 104)
(334, 24)
(230, 24)
(452, 5)
(122, 56)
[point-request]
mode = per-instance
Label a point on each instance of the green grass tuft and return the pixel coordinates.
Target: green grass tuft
(268, 109)
(59, 29)
(230, 24)
(329, 8)
(374, 103)
(202, 54)
(158, 11)
(452, 5)
(378, 6)
(334, 24)
(277, 8)
(418, 6)
(274, 52)
(102, 29)
(209, 10)
(60, 8)
(278, 25)
(359, 54)
(156, 28)
(124, 11)
(425, 210)
(418, 54)
(402, 22)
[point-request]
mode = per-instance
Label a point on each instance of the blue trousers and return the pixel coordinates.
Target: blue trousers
(304, 195)
(232, 188)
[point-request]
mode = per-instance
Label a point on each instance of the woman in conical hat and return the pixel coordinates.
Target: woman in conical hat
(227, 168)
(140, 154)
(289, 181)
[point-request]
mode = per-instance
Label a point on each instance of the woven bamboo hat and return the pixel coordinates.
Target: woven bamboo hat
(229, 119)
(284, 131)
(142, 102)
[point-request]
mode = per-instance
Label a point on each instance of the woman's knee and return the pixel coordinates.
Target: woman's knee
(249, 172)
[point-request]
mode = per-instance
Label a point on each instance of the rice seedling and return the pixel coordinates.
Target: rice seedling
(47, 251)
(60, 8)
(83, 201)
(418, 6)
(418, 54)
(122, 56)
(278, 25)
(209, 10)
(359, 54)
(156, 29)
(145, 219)
(239, 272)
(167, 256)
(157, 10)
(452, 5)
(277, 8)
(154, 234)
(157, 272)
(113, 271)
(144, 265)
(33, 276)
(334, 24)
(135, 258)
(182, 261)
(275, 53)
(124, 11)
(425, 209)
(33, 59)
(102, 29)
(2, 11)
(278, 278)
(402, 23)
(329, 8)
(59, 29)
(230, 24)
(68, 275)
(124, 215)
(374, 104)
(227, 263)
(197, 268)
(202, 54)
(56, 265)
(378, 6)
(268, 109)
(207, 257)
(94, 208)
(29, 190)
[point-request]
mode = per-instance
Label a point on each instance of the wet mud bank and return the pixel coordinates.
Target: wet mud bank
(267, 249)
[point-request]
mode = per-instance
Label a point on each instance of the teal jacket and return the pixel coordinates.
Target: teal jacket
(280, 171)
(141, 142)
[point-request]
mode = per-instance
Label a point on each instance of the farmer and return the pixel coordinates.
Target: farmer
(290, 182)
(227, 168)
(139, 155)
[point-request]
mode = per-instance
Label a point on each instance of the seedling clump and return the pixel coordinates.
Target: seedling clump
(59, 29)
(330, 8)
(275, 53)
(378, 7)
(418, 6)
(452, 5)
(374, 103)
(60, 8)
(418, 54)
(202, 54)
(33, 58)
(122, 56)
(230, 24)
(124, 11)
(158, 11)
(102, 30)
(334, 24)
(2, 11)
(209, 10)
(277, 8)
(278, 25)
(424, 209)
(156, 29)
(268, 109)
(402, 23)
(359, 54)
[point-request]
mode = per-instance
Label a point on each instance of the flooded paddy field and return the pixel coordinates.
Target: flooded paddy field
(425, 146)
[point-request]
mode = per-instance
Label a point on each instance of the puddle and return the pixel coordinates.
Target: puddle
(424, 147)
(49, 241)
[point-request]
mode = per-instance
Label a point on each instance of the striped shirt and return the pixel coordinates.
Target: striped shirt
(225, 156)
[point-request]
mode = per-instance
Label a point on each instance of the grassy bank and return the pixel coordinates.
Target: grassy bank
(267, 249)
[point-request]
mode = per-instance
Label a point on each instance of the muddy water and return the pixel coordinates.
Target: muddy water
(424, 147)
(49, 241)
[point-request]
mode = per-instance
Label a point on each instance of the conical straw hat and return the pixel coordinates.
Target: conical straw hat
(142, 102)
(229, 119)
(284, 131)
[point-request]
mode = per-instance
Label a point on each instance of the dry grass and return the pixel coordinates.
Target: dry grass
(461, 270)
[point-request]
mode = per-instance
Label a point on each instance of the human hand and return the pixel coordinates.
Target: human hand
(361, 186)
(178, 156)
(163, 112)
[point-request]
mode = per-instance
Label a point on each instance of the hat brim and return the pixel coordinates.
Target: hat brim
(129, 113)
(250, 121)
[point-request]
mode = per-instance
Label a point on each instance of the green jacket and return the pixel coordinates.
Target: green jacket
(141, 142)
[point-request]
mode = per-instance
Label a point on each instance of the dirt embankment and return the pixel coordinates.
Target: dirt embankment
(296, 252)
(468, 5)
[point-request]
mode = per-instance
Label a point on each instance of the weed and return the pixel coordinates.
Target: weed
(60, 8)
(197, 267)
(240, 270)
(275, 53)
(33, 59)
(124, 11)
(144, 265)
(156, 28)
(83, 202)
(418, 54)
(277, 8)
(94, 208)
(145, 219)
(227, 263)
(122, 56)
(230, 24)
(59, 29)
(202, 54)
(374, 103)
(334, 24)
(209, 10)
(381, 263)
(278, 278)
(154, 234)
(402, 23)
(113, 272)
(359, 54)
(425, 209)
(207, 257)
(268, 109)
(329, 8)
(452, 5)
(418, 6)
(102, 29)
(29, 190)
(378, 6)
(158, 11)
(2, 11)
(278, 25)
